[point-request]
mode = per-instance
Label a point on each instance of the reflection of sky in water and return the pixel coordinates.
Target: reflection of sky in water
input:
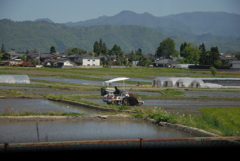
(41, 105)
(210, 94)
(87, 92)
(71, 80)
(13, 87)
(84, 130)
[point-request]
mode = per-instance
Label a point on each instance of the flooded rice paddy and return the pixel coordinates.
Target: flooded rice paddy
(184, 106)
(187, 106)
(74, 130)
(93, 130)
(84, 130)
(87, 92)
(71, 80)
(210, 93)
(41, 106)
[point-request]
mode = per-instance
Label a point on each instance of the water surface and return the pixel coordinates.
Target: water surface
(183, 106)
(41, 105)
(210, 93)
(83, 130)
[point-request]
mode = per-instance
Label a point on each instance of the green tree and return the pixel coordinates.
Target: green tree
(33, 61)
(52, 49)
(203, 55)
(213, 55)
(1, 56)
(104, 49)
(103, 61)
(6, 56)
(23, 57)
(100, 48)
(182, 47)
(191, 54)
(76, 51)
(166, 48)
(213, 71)
(116, 50)
(237, 55)
(3, 51)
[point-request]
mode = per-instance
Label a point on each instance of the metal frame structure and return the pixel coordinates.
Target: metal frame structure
(141, 141)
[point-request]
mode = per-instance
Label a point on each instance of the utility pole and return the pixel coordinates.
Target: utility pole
(82, 38)
(135, 55)
(38, 57)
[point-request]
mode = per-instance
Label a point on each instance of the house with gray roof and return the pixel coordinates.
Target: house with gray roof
(166, 63)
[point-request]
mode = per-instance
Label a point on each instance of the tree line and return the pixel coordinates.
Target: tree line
(190, 54)
(108, 55)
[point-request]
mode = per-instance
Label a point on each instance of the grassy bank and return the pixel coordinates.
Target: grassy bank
(221, 121)
(8, 112)
(93, 73)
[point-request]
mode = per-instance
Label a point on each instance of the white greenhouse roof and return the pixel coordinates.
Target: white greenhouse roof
(14, 78)
(193, 82)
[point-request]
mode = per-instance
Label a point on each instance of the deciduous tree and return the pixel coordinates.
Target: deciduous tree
(166, 48)
(52, 49)
(191, 54)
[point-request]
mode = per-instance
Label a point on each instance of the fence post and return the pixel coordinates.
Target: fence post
(6, 146)
(141, 142)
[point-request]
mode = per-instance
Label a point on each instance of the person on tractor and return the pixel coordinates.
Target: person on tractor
(117, 91)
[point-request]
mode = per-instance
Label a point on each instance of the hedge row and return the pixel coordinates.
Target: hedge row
(208, 67)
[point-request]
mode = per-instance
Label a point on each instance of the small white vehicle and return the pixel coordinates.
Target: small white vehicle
(119, 97)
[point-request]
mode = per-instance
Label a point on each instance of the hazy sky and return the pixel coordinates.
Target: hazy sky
(61, 11)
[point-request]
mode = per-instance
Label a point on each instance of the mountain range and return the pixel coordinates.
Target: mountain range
(216, 23)
(126, 29)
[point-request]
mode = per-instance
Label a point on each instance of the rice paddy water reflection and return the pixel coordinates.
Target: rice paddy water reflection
(84, 130)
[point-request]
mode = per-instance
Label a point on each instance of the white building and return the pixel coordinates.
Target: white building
(235, 64)
(85, 60)
(90, 61)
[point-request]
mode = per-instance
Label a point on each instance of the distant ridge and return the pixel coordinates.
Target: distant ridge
(127, 30)
(217, 23)
(44, 19)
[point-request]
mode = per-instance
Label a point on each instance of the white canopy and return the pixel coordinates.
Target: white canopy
(116, 79)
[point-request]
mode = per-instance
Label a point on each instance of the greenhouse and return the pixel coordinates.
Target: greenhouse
(14, 79)
(158, 81)
(184, 82)
(170, 82)
(198, 83)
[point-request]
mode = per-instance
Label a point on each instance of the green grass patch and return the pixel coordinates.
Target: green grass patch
(172, 92)
(226, 120)
(161, 115)
(30, 113)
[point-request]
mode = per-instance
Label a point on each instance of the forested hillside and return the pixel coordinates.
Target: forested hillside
(216, 23)
(41, 35)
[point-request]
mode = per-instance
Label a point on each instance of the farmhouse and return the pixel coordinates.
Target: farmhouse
(14, 55)
(85, 60)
